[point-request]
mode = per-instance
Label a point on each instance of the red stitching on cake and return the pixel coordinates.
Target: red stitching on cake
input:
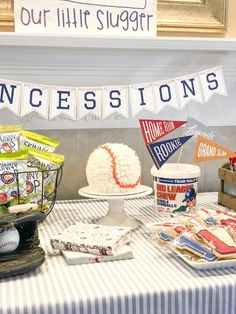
(114, 174)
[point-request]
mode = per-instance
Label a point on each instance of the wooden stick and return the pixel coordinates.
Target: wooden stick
(180, 154)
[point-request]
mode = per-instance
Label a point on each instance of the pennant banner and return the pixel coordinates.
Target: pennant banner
(115, 100)
(10, 96)
(153, 130)
(35, 98)
(189, 88)
(212, 82)
(78, 102)
(208, 150)
(166, 95)
(141, 98)
(90, 100)
(194, 127)
(163, 150)
(63, 102)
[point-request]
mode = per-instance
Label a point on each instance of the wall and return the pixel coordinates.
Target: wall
(76, 66)
(77, 145)
(231, 28)
(75, 61)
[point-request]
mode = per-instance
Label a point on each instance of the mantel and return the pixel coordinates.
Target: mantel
(124, 43)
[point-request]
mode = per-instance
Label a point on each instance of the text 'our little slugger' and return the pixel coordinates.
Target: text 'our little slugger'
(72, 18)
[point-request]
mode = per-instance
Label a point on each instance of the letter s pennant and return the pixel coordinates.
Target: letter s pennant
(212, 82)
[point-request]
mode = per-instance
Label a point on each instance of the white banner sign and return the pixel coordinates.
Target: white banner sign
(35, 98)
(166, 94)
(94, 17)
(90, 102)
(115, 100)
(77, 103)
(212, 82)
(189, 88)
(63, 102)
(141, 98)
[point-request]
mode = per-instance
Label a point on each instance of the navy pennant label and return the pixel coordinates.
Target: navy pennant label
(163, 150)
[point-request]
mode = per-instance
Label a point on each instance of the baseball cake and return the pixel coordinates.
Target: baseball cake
(113, 168)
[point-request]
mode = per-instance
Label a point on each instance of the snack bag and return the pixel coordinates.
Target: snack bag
(42, 175)
(9, 138)
(13, 176)
(232, 163)
(34, 185)
(37, 141)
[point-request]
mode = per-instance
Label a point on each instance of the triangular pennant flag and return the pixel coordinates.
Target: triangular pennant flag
(115, 100)
(194, 127)
(153, 130)
(63, 102)
(208, 150)
(189, 88)
(212, 82)
(35, 98)
(141, 98)
(10, 95)
(89, 102)
(165, 93)
(162, 151)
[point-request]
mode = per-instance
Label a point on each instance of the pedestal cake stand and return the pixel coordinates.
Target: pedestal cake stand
(116, 215)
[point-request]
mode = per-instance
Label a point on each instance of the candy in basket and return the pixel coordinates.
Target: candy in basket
(29, 177)
(40, 188)
(28, 190)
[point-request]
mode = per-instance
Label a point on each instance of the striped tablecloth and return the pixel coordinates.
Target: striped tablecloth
(152, 282)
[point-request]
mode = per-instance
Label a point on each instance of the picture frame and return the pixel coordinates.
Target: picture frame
(204, 16)
(6, 16)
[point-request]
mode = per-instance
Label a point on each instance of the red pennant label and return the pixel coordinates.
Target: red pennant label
(153, 130)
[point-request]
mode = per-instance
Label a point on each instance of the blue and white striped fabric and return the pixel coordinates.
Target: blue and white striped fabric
(152, 282)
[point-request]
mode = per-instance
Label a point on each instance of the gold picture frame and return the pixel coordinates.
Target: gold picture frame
(205, 16)
(6, 16)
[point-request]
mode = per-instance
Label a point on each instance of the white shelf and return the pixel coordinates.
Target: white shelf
(147, 43)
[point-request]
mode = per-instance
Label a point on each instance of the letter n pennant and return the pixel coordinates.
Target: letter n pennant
(162, 151)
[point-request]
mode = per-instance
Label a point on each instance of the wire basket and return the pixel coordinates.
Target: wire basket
(33, 186)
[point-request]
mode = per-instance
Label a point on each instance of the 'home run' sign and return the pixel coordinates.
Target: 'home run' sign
(88, 17)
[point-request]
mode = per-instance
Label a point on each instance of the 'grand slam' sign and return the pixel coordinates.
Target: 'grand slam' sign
(89, 17)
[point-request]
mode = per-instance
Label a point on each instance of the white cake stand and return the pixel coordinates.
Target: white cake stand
(116, 215)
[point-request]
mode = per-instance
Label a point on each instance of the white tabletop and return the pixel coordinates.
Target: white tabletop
(152, 282)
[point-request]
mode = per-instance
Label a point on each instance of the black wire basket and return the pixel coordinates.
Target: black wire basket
(33, 187)
(28, 187)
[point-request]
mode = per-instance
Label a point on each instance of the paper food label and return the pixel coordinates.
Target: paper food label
(175, 195)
